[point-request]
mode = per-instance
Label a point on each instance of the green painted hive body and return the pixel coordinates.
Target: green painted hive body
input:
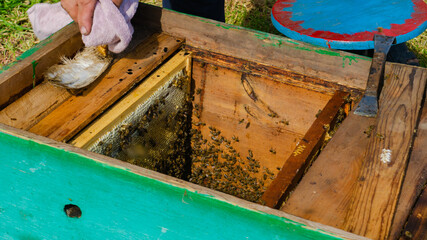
(38, 180)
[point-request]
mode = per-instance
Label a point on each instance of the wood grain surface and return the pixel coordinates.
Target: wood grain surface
(298, 162)
(415, 178)
(29, 109)
(129, 103)
(245, 106)
(334, 66)
(30, 67)
(75, 113)
(325, 193)
(416, 227)
(376, 193)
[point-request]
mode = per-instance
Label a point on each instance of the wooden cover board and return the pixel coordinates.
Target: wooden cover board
(351, 163)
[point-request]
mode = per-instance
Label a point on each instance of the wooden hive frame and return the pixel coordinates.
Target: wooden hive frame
(328, 71)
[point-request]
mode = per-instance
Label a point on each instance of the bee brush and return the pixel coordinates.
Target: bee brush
(80, 71)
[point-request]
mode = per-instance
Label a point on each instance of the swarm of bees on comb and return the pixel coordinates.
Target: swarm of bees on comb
(167, 138)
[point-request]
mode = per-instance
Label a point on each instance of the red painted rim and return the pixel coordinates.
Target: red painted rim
(418, 17)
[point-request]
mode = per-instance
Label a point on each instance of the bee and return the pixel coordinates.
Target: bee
(198, 123)
(196, 107)
(273, 115)
(284, 122)
(251, 155)
(273, 151)
(152, 142)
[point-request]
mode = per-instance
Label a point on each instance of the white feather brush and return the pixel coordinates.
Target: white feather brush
(81, 70)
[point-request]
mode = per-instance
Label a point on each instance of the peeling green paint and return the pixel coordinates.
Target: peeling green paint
(304, 48)
(326, 52)
(290, 41)
(271, 41)
(38, 180)
(336, 54)
(34, 64)
(354, 58)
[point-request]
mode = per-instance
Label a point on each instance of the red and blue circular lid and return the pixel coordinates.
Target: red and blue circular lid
(349, 24)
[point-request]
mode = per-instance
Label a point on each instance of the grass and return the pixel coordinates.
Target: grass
(16, 35)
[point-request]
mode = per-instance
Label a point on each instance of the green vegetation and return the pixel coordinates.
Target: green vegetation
(419, 46)
(16, 35)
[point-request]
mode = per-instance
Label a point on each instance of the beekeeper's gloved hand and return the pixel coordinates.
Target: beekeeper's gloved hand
(81, 11)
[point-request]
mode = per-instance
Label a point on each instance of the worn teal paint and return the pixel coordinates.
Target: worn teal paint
(38, 180)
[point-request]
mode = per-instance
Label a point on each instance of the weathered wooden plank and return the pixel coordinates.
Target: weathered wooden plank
(264, 114)
(324, 193)
(335, 66)
(33, 106)
(415, 178)
(69, 118)
(19, 76)
(184, 188)
(288, 77)
(295, 166)
(379, 182)
(131, 101)
(416, 227)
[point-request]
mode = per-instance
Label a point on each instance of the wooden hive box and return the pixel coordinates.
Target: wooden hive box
(270, 98)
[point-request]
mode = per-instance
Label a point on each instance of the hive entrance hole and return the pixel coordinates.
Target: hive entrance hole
(72, 211)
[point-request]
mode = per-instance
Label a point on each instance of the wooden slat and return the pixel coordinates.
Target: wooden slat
(69, 118)
(376, 194)
(295, 166)
(325, 192)
(223, 93)
(33, 106)
(288, 77)
(334, 66)
(415, 178)
(416, 227)
(131, 101)
(19, 77)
